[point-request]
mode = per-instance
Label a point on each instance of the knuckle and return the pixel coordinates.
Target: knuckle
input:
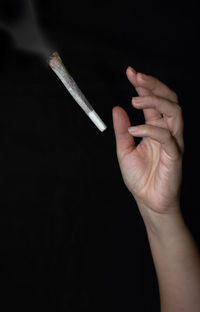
(144, 129)
(152, 99)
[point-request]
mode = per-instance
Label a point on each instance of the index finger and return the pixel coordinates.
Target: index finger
(152, 84)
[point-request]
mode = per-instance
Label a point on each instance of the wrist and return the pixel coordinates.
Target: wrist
(163, 224)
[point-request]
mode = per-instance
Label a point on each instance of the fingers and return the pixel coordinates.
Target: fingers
(162, 105)
(150, 114)
(151, 84)
(124, 140)
(147, 85)
(169, 109)
(161, 135)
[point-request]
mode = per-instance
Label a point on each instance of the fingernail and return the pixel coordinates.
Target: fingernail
(132, 129)
(132, 70)
(143, 76)
(137, 100)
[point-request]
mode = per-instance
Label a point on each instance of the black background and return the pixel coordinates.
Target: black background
(71, 236)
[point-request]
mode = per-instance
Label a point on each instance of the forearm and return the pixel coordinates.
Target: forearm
(177, 263)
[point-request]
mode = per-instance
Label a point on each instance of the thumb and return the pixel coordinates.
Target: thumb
(124, 140)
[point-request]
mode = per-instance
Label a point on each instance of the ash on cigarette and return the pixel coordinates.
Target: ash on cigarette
(55, 57)
(19, 19)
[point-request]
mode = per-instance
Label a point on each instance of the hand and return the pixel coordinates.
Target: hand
(152, 170)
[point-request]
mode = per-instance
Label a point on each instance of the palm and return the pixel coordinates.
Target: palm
(151, 175)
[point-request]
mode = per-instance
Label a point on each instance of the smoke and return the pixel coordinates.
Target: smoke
(26, 32)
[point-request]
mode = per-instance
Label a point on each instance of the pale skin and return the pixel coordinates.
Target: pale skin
(152, 172)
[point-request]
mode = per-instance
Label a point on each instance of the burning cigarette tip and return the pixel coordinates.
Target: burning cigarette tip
(54, 58)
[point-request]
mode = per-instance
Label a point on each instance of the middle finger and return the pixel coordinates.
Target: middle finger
(170, 110)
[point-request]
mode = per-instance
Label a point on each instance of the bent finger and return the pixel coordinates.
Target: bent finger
(171, 110)
(149, 114)
(163, 106)
(152, 84)
(161, 135)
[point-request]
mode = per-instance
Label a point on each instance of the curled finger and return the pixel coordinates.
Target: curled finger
(161, 135)
(151, 84)
(172, 111)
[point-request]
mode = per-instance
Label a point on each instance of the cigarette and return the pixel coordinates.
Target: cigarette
(58, 67)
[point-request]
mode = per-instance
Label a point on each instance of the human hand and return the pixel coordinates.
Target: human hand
(152, 170)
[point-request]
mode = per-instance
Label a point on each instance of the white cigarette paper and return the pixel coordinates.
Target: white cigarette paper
(57, 66)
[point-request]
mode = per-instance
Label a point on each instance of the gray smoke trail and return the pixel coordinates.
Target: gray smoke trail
(26, 32)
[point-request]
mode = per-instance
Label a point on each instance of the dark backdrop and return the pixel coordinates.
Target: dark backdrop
(71, 236)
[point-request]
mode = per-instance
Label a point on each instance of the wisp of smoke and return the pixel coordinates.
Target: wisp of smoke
(26, 32)
(27, 36)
